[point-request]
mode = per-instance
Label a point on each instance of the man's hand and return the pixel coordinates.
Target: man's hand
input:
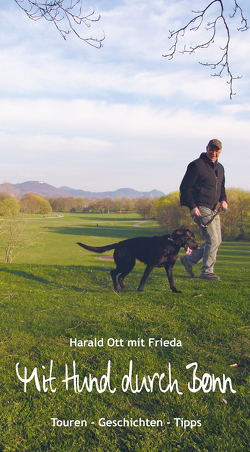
(224, 205)
(195, 212)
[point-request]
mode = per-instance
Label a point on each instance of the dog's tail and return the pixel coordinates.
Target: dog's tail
(98, 249)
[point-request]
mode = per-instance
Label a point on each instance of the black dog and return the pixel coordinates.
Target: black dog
(152, 251)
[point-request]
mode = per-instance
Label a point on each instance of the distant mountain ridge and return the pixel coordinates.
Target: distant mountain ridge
(121, 192)
(49, 191)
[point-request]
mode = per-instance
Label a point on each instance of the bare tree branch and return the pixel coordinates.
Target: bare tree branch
(66, 15)
(222, 65)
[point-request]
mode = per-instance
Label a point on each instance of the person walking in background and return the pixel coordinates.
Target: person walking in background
(201, 189)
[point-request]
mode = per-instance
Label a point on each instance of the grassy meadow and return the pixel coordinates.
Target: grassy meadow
(55, 290)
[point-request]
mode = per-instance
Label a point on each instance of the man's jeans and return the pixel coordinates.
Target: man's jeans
(212, 235)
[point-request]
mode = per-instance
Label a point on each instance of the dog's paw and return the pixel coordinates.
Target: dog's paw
(175, 290)
(140, 289)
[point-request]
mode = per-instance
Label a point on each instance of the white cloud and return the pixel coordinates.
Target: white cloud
(136, 145)
(119, 116)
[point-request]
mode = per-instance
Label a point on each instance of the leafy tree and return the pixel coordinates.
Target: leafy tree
(170, 215)
(236, 221)
(119, 204)
(229, 218)
(63, 204)
(94, 205)
(57, 204)
(128, 204)
(9, 206)
(107, 204)
(44, 205)
(244, 207)
(81, 204)
(32, 203)
(145, 207)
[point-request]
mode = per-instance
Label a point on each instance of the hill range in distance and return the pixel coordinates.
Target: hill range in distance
(49, 191)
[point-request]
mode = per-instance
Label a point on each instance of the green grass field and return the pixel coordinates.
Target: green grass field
(56, 290)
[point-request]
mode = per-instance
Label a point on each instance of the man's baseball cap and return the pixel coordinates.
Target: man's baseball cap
(215, 144)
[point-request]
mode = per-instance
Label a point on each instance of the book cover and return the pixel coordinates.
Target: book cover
(97, 130)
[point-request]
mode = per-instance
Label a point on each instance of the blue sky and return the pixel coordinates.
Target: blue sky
(122, 115)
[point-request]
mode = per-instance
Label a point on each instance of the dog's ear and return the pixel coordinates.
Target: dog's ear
(180, 231)
(177, 234)
(184, 229)
(174, 234)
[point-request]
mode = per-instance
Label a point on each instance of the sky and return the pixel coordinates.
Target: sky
(122, 115)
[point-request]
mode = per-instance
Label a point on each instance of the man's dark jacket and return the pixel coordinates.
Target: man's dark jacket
(201, 186)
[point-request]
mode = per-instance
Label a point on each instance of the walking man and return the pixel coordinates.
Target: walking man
(202, 188)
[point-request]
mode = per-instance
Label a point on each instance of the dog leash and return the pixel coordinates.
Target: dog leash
(213, 217)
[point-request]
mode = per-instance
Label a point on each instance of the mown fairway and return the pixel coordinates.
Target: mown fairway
(56, 290)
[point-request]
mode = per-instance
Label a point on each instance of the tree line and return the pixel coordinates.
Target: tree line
(235, 222)
(32, 203)
(166, 210)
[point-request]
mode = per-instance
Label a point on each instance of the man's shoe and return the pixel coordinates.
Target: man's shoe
(187, 267)
(209, 277)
